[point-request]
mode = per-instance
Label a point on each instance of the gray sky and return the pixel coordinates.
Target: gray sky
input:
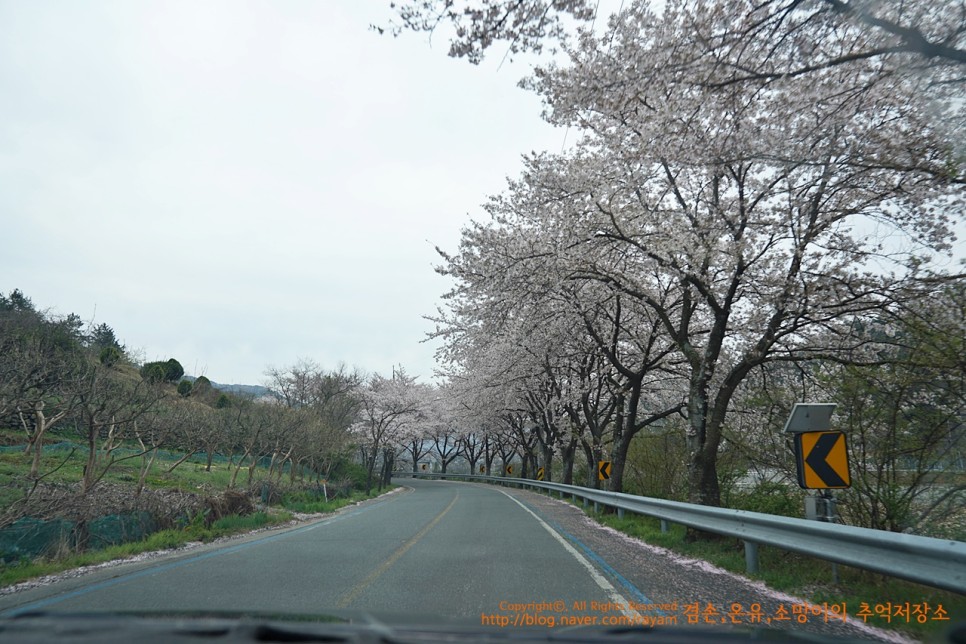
(240, 184)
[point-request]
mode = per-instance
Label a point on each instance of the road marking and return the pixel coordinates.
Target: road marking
(359, 588)
(601, 581)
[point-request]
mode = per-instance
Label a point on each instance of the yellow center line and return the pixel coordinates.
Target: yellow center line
(358, 589)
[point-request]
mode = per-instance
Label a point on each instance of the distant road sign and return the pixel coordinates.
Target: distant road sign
(509, 469)
(482, 468)
(539, 473)
(423, 466)
(603, 470)
(823, 460)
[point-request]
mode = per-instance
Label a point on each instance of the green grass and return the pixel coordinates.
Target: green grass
(804, 576)
(162, 540)
(310, 504)
(190, 476)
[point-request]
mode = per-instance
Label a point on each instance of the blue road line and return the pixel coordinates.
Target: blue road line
(609, 570)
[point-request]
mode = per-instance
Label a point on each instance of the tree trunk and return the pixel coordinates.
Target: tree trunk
(568, 461)
(37, 439)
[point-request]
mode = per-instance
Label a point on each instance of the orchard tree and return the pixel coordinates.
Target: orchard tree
(110, 404)
(43, 362)
(325, 402)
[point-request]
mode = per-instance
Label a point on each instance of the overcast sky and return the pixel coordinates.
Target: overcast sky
(241, 184)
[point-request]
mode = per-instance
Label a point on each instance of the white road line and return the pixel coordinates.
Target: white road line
(601, 581)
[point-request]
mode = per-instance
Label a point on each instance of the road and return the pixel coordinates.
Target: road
(435, 550)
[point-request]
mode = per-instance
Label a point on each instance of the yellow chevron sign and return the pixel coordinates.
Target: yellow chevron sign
(823, 460)
(540, 474)
(603, 470)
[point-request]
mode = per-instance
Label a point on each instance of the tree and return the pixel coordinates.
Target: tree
(184, 388)
(743, 223)
(42, 362)
(387, 403)
(110, 405)
(153, 371)
(162, 371)
(326, 404)
(526, 25)
(173, 370)
(928, 33)
(726, 211)
(102, 337)
(110, 356)
(904, 417)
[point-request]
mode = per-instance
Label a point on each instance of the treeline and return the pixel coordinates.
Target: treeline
(758, 207)
(59, 375)
(551, 397)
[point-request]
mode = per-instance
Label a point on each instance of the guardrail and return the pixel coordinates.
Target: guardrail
(938, 563)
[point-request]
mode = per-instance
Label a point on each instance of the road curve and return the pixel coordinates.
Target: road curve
(435, 551)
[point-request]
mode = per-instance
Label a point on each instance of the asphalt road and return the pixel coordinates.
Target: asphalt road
(467, 553)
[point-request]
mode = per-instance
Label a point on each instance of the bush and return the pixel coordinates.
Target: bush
(184, 388)
(770, 498)
(153, 371)
(167, 370)
(201, 385)
(351, 473)
(173, 370)
(110, 356)
(230, 503)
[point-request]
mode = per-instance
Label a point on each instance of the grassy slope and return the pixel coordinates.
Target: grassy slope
(190, 476)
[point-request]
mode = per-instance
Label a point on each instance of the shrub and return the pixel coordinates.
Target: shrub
(770, 498)
(173, 370)
(110, 356)
(153, 371)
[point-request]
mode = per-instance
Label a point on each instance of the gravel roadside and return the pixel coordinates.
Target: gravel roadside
(649, 574)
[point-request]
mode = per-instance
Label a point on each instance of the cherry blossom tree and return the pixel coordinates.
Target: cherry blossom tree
(925, 34)
(745, 223)
(387, 404)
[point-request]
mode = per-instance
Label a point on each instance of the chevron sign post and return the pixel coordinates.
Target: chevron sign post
(823, 460)
(822, 455)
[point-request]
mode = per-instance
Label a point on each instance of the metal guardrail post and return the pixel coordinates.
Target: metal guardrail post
(751, 556)
(620, 513)
(663, 525)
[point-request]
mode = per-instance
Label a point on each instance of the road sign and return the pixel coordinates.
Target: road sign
(423, 466)
(823, 460)
(482, 468)
(539, 473)
(603, 470)
(509, 469)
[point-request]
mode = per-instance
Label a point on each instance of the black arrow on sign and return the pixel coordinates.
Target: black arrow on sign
(604, 470)
(816, 460)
